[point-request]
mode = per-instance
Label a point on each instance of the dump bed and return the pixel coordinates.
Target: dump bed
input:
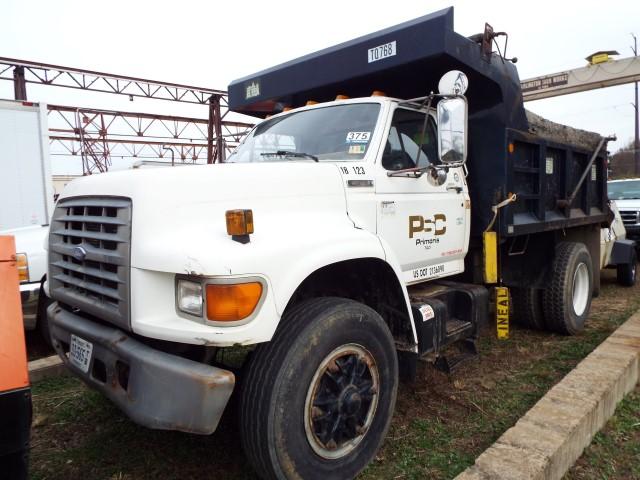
(509, 152)
(544, 169)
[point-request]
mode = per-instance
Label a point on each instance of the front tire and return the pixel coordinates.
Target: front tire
(317, 400)
(567, 298)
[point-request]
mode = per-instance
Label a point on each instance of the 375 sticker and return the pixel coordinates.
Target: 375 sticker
(358, 137)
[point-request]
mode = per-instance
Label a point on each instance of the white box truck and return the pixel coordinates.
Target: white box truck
(26, 198)
(26, 189)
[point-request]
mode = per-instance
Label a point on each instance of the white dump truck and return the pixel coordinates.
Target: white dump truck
(344, 239)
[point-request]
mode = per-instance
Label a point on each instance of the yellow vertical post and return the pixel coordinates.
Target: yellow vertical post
(490, 257)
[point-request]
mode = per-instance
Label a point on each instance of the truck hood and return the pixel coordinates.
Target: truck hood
(178, 218)
(628, 204)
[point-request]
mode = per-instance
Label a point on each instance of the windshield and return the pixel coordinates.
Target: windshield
(338, 132)
(624, 190)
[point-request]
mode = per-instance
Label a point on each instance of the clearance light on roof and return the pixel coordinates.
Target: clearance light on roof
(342, 97)
(378, 93)
(311, 102)
(286, 109)
(239, 224)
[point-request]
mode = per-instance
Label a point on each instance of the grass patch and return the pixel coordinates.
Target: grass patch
(614, 453)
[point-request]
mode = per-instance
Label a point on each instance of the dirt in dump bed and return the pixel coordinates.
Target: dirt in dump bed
(556, 132)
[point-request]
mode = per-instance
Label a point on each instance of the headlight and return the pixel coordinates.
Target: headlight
(23, 267)
(190, 297)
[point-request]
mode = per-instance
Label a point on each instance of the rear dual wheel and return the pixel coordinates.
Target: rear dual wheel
(317, 400)
(563, 306)
(567, 297)
(527, 307)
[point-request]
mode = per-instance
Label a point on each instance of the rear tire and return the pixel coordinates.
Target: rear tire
(627, 272)
(315, 377)
(527, 308)
(567, 298)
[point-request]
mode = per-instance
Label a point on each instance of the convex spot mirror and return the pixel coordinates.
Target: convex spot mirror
(454, 82)
(452, 130)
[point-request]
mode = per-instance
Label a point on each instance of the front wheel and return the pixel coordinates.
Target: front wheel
(317, 400)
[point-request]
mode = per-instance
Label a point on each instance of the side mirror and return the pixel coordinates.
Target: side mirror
(452, 130)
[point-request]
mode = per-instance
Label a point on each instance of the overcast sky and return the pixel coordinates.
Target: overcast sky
(208, 44)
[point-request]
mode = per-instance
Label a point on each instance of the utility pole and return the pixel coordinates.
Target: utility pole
(636, 142)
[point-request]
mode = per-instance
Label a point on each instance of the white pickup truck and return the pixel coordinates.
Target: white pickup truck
(612, 256)
(626, 194)
(343, 239)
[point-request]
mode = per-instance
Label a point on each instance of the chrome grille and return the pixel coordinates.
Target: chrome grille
(89, 256)
(630, 217)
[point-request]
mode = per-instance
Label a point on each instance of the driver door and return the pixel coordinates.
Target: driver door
(424, 220)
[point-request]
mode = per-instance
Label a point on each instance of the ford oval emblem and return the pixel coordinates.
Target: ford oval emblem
(79, 253)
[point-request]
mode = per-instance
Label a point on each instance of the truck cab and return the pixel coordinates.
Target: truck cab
(418, 208)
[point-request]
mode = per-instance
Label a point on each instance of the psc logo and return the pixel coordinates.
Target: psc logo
(417, 224)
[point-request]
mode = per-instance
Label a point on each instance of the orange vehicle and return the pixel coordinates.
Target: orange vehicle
(15, 392)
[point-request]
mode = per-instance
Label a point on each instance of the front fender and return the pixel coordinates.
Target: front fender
(393, 262)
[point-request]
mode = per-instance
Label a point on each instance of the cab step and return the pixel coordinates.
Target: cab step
(447, 312)
(448, 363)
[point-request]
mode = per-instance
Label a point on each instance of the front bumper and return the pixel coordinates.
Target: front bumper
(29, 294)
(154, 388)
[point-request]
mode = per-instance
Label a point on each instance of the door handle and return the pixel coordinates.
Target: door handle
(457, 189)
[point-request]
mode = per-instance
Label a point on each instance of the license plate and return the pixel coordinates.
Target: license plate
(80, 353)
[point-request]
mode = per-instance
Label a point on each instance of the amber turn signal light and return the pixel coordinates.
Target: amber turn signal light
(232, 302)
(239, 222)
(23, 267)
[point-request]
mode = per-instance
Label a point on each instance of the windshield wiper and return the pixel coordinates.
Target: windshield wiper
(287, 153)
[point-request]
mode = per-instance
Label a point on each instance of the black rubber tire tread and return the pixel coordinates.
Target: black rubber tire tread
(527, 308)
(626, 273)
(557, 301)
(260, 376)
(42, 322)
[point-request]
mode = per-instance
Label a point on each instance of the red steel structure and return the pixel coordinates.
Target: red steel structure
(98, 135)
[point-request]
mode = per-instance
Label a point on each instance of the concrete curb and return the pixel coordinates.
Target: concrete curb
(551, 436)
(46, 367)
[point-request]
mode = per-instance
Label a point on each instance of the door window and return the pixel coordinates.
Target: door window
(401, 150)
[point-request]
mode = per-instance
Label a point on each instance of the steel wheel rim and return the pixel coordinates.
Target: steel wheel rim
(336, 397)
(580, 289)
